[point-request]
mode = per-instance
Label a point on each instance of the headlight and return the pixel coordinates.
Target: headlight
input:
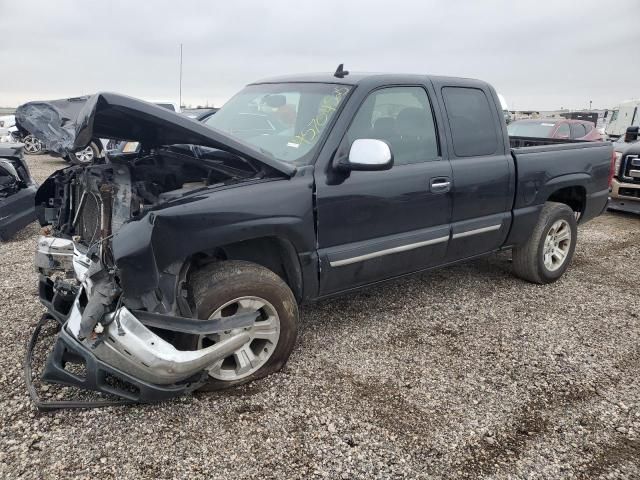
(616, 166)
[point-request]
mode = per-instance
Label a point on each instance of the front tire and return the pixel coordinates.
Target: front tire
(85, 156)
(548, 252)
(229, 287)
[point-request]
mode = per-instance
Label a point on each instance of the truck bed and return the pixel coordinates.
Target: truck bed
(578, 169)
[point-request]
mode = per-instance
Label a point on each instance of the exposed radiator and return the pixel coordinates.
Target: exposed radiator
(92, 218)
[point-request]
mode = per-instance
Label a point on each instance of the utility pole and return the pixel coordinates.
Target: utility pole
(180, 93)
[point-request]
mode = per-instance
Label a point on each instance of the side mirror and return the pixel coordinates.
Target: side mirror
(368, 154)
(631, 135)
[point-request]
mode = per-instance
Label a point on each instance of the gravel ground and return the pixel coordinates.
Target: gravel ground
(465, 372)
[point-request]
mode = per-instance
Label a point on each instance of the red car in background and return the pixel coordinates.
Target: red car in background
(555, 128)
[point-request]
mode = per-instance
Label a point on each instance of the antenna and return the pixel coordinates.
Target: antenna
(340, 72)
(180, 88)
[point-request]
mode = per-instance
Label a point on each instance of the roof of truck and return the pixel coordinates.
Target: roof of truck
(354, 78)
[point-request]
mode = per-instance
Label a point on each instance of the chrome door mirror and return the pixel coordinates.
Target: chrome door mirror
(368, 154)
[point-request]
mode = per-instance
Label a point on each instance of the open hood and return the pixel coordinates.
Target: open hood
(69, 125)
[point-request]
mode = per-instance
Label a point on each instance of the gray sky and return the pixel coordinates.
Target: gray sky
(540, 54)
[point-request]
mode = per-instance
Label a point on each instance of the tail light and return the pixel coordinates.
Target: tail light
(615, 164)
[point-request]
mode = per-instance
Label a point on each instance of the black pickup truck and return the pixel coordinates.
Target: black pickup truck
(181, 266)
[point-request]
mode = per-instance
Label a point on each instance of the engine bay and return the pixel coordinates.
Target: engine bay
(89, 203)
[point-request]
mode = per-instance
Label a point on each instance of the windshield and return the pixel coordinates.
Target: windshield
(530, 129)
(284, 120)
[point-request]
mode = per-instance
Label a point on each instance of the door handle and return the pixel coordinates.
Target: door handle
(440, 185)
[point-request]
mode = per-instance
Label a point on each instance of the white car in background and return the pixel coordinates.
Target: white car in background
(621, 117)
(7, 121)
(7, 125)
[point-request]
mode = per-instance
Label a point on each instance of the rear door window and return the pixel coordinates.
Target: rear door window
(577, 130)
(528, 128)
(472, 124)
(563, 131)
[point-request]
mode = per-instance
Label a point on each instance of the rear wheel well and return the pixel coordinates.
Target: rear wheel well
(274, 253)
(575, 197)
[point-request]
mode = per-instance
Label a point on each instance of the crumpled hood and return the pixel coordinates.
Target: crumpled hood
(69, 125)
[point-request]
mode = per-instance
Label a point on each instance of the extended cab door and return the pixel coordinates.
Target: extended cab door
(483, 170)
(376, 225)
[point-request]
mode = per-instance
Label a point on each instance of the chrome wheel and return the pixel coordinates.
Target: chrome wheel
(86, 155)
(32, 145)
(557, 245)
(264, 334)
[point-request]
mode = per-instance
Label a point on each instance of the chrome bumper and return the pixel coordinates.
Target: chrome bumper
(128, 345)
(119, 339)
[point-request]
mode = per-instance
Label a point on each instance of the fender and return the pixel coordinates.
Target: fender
(554, 184)
(147, 247)
(533, 197)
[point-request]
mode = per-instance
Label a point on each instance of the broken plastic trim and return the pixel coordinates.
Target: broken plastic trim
(97, 376)
(130, 347)
(195, 326)
(56, 404)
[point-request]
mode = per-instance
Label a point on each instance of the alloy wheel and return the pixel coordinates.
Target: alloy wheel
(32, 145)
(557, 244)
(86, 155)
(264, 335)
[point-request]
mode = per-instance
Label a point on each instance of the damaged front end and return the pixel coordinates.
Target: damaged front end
(120, 339)
(120, 316)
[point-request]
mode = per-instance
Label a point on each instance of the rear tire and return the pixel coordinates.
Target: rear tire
(548, 252)
(216, 287)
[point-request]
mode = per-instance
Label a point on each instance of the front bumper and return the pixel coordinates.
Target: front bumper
(128, 345)
(623, 205)
(624, 202)
(120, 349)
(97, 374)
(102, 377)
